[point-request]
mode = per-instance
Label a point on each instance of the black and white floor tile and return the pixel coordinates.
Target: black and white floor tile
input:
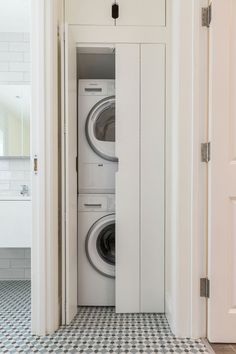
(94, 330)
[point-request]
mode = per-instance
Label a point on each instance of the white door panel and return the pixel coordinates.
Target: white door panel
(70, 177)
(222, 179)
(152, 176)
(88, 12)
(141, 13)
(140, 129)
(127, 178)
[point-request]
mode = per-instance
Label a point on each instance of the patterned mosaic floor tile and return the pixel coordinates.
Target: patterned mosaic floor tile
(94, 330)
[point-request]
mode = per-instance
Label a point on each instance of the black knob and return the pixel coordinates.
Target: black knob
(115, 11)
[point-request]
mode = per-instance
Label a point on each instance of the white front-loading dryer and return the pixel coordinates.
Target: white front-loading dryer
(96, 250)
(96, 136)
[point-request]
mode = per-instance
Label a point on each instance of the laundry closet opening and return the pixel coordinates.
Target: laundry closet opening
(97, 166)
(115, 126)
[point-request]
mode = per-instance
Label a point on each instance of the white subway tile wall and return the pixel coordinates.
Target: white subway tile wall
(13, 174)
(14, 69)
(14, 58)
(15, 263)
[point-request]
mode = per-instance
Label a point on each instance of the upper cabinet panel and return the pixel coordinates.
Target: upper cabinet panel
(89, 12)
(131, 12)
(141, 13)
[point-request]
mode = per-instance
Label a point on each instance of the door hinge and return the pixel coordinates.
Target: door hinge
(206, 16)
(205, 287)
(206, 152)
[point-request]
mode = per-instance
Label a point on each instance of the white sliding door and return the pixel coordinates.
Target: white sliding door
(222, 179)
(152, 173)
(44, 144)
(127, 181)
(70, 179)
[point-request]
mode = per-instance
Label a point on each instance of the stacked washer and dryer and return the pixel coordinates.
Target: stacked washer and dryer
(96, 186)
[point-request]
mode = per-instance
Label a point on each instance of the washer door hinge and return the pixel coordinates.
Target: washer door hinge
(206, 152)
(206, 16)
(205, 287)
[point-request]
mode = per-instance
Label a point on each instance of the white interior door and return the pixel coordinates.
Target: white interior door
(89, 12)
(128, 177)
(141, 13)
(222, 179)
(70, 180)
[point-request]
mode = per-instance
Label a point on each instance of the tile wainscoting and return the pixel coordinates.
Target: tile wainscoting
(13, 174)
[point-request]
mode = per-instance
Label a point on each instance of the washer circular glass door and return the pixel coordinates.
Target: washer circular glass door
(100, 245)
(100, 128)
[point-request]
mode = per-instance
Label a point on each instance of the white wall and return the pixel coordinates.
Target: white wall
(15, 15)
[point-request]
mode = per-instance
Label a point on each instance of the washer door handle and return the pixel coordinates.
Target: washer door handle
(93, 205)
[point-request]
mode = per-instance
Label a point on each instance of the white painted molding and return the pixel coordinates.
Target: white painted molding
(199, 170)
(45, 304)
(185, 260)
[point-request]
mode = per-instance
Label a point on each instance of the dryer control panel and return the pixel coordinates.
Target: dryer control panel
(96, 87)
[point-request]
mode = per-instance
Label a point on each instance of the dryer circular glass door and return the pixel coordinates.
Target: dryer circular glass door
(100, 245)
(100, 128)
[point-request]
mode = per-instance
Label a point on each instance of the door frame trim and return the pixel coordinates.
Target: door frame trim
(187, 311)
(186, 176)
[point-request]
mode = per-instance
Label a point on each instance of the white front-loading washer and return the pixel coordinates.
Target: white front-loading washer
(96, 250)
(96, 136)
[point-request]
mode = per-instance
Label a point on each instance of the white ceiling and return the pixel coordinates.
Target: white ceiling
(15, 15)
